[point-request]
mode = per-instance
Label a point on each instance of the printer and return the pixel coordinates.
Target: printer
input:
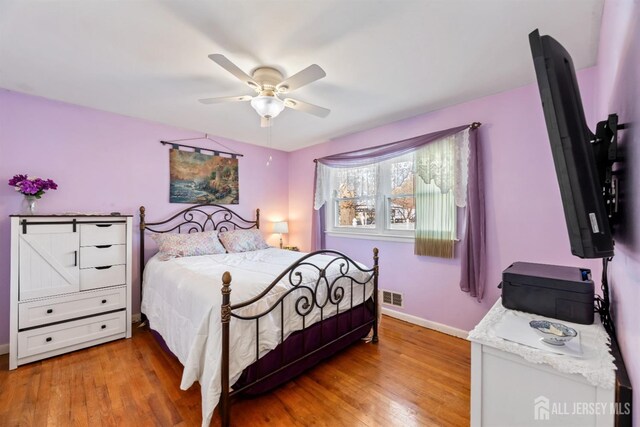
(564, 293)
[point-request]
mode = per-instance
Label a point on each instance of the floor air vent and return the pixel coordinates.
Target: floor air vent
(392, 298)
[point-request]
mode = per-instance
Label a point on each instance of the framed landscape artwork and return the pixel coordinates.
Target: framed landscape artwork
(201, 178)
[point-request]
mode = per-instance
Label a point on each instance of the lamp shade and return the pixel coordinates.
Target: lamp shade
(267, 106)
(281, 227)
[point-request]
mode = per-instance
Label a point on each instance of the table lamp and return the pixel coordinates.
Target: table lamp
(281, 227)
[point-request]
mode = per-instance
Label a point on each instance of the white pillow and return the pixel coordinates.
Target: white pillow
(243, 240)
(189, 244)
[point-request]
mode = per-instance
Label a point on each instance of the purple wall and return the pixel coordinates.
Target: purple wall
(525, 221)
(105, 162)
(619, 92)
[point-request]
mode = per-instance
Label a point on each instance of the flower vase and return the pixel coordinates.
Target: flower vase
(29, 205)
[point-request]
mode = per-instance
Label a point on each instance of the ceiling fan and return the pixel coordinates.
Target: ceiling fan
(270, 84)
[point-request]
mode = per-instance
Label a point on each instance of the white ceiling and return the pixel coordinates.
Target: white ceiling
(385, 60)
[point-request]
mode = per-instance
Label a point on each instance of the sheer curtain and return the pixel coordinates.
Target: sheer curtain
(435, 221)
(463, 184)
(435, 211)
(441, 184)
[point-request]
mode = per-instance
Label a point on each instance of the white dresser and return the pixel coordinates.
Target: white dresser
(70, 284)
(516, 385)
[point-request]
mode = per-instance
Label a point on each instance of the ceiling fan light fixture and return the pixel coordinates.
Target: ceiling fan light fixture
(267, 106)
(269, 83)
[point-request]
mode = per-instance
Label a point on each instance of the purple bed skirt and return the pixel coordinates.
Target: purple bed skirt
(352, 324)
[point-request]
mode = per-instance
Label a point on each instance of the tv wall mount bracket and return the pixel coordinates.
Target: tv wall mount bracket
(605, 149)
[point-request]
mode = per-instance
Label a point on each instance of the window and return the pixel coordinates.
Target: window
(380, 199)
(375, 199)
(355, 193)
(412, 195)
(400, 200)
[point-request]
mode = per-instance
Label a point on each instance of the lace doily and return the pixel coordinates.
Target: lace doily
(597, 365)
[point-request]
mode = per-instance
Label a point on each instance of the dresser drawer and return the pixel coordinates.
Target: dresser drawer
(36, 313)
(99, 256)
(54, 337)
(101, 277)
(102, 234)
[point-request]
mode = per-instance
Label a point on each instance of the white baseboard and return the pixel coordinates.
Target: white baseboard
(449, 330)
(4, 348)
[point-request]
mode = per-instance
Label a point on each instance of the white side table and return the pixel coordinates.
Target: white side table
(511, 385)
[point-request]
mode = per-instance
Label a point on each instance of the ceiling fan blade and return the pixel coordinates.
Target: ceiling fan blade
(306, 107)
(265, 122)
(222, 61)
(225, 99)
(304, 77)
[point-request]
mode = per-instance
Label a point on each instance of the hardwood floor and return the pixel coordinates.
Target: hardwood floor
(412, 377)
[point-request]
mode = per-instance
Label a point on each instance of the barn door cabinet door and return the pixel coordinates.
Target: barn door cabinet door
(49, 261)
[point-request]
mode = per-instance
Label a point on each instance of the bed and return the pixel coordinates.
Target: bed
(247, 322)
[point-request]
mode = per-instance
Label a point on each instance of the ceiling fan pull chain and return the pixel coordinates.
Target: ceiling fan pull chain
(269, 144)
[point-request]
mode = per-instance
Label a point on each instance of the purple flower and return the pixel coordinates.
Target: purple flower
(28, 187)
(51, 185)
(32, 186)
(17, 179)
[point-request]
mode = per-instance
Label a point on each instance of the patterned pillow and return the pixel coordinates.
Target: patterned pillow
(191, 244)
(243, 240)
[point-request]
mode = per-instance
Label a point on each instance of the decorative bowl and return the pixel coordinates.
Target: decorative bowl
(553, 333)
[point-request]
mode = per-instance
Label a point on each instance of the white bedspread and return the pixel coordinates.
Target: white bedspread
(182, 299)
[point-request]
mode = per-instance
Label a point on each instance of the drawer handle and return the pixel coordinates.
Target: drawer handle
(104, 326)
(104, 267)
(104, 225)
(103, 246)
(49, 339)
(104, 301)
(50, 310)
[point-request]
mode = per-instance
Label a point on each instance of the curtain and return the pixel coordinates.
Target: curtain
(436, 166)
(473, 253)
(317, 219)
(369, 156)
(473, 245)
(445, 163)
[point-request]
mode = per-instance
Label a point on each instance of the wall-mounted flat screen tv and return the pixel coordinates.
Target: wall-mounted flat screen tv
(577, 159)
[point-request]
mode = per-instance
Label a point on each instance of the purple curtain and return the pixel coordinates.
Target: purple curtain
(473, 277)
(473, 244)
(371, 155)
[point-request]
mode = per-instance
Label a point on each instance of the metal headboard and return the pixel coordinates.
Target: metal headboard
(197, 218)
